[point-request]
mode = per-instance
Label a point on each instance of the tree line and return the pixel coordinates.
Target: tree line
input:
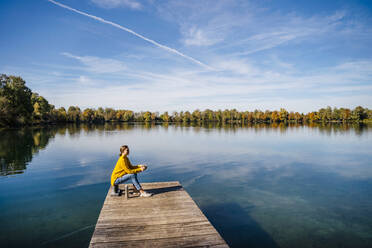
(20, 106)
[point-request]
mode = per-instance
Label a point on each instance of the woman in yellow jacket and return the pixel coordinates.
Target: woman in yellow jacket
(124, 171)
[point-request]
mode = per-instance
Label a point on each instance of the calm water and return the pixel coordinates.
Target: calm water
(260, 186)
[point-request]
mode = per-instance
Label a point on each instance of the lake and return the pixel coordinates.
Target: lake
(259, 185)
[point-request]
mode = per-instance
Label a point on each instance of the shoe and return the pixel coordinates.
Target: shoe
(135, 191)
(115, 191)
(145, 194)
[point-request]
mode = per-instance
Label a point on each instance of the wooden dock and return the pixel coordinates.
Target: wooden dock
(170, 218)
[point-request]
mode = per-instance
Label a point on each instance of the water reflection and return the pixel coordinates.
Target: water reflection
(17, 147)
(279, 185)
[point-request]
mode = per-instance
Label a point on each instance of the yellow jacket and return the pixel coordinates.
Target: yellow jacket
(122, 167)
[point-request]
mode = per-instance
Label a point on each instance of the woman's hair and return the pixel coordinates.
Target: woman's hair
(122, 149)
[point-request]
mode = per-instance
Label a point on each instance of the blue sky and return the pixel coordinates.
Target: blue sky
(186, 55)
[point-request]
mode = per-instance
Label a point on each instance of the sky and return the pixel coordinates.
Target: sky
(161, 55)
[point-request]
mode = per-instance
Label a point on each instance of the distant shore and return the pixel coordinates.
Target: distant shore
(19, 106)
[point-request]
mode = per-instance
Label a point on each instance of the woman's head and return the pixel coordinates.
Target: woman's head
(124, 150)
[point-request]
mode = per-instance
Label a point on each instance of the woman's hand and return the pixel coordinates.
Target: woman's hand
(143, 167)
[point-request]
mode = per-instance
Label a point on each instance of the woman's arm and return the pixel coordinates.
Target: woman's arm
(129, 168)
(132, 166)
(143, 166)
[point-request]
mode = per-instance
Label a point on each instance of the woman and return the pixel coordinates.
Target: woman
(124, 171)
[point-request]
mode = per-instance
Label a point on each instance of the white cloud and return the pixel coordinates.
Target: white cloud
(237, 83)
(244, 28)
(237, 66)
(282, 30)
(83, 79)
(133, 4)
(202, 23)
(99, 65)
(197, 37)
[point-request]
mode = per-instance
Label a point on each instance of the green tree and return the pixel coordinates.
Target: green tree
(176, 117)
(336, 114)
(165, 117)
(42, 108)
(267, 116)
(275, 116)
(328, 114)
(235, 115)
(88, 115)
(15, 101)
(61, 114)
(218, 115)
(154, 116)
(283, 115)
(207, 115)
(258, 115)
(110, 114)
(186, 117)
(138, 117)
(345, 114)
(298, 117)
(369, 114)
(197, 115)
(359, 114)
(74, 114)
(312, 117)
(128, 116)
(99, 115)
(147, 116)
(226, 116)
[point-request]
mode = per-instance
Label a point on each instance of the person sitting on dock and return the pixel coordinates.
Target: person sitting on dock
(124, 171)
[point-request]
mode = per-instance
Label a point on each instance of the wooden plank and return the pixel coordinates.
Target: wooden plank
(186, 241)
(144, 220)
(190, 241)
(152, 231)
(170, 218)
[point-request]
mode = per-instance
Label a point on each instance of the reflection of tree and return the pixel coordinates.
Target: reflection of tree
(18, 146)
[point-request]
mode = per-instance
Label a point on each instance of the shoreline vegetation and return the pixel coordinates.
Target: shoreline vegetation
(19, 106)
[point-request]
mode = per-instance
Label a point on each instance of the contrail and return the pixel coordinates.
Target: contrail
(132, 32)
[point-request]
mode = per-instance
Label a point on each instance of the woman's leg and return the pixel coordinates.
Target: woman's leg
(135, 182)
(126, 177)
(122, 179)
(138, 186)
